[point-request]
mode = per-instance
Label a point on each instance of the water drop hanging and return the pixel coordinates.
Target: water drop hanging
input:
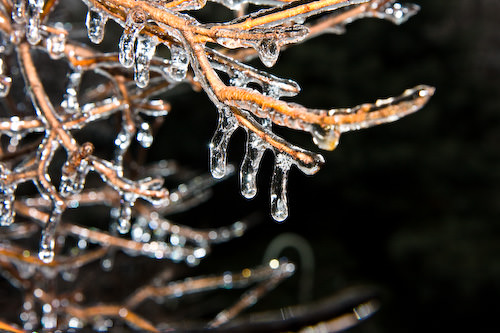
(226, 126)
(96, 23)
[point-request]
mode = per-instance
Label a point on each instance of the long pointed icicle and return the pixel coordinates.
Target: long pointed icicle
(279, 201)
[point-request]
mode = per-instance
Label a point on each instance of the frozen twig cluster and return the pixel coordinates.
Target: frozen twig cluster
(201, 54)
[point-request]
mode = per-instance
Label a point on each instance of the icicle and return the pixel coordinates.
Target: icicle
(5, 81)
(145, 135)
(179, 62)
(7, 198)
(70, 102)
(145, 50)
(18, 8)
(227, 124)
(33, 11)
(75, 171)
(269, 51)
(96, 23)
(127, 201)
(279, 205)
(55, 45)
(47, 243)
(250, 166)
(136, 20)
(326, 138)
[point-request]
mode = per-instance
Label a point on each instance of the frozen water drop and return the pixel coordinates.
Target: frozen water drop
(279, 202)
(127, 201)
(145, 50)
(70, 101)
(326, 138)
(226, 126)
(55, 45)
(96, 23)
(47, 243)
(5, 84)
(269, 51)
(145, 135)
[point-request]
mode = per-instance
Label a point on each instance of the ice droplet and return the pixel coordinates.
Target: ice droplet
(145, 135)
(326, 138)
(55, 45)
(96, 23)
(33, 11)
(145, 50)
(47, 243)
(7, 198)
(18, 8)
(269, 51)
(127, 201)
(279, 204)
(70, 100)
(398, 13)
(136, 20)
(227, 124)
(179, 62)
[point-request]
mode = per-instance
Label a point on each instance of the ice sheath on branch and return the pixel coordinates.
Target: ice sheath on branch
(201, 54)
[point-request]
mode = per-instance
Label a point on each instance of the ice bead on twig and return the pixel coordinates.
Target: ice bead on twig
(279, 202)
(96, 23)
(326, 138)
(136, 20)
(269, 51)
(226, 126)
(7, 211)
(145, 50)
(33, 11)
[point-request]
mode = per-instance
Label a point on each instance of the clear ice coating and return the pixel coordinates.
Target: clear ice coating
(179, 62)
(32, 13)
(145, 50)
(96, 23)
(136, 20)
(6, 198)
(279, 204)
(226, 126)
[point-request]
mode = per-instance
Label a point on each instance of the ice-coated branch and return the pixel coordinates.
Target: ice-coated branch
(44, 140)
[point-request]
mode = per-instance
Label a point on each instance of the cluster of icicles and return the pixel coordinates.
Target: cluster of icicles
(137, 49)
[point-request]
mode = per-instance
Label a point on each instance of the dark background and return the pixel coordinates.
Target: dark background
(410, 208)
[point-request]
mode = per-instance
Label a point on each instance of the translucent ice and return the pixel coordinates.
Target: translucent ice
(279, 205)
(136, 20)
(145, 50)
(226, 126)
(96, 22)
